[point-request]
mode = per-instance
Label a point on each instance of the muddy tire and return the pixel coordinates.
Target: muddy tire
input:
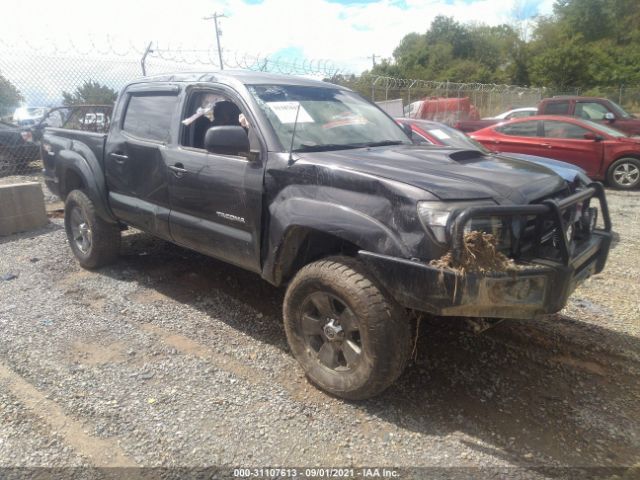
(94, 242)
(351, 339)
(624, 174)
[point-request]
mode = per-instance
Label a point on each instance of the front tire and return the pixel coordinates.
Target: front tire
(624, 174)
(351, 339)
(94, 242)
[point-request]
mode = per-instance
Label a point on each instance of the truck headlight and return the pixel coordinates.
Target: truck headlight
(435, 216)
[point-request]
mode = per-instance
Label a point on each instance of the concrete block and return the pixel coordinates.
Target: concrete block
(21, 208)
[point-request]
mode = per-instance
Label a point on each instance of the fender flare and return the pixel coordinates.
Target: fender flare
(81, 160)
(353, 226)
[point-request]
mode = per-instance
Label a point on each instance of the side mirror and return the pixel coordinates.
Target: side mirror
(609, 117)
(227, 140)
(593, 136)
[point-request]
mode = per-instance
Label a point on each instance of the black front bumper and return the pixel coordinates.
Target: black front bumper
(541, 286)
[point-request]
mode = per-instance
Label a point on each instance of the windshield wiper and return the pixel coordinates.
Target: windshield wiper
(383, 143)
(344, 146)
(326, 147)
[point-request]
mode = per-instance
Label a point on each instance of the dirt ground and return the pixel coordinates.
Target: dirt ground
(171, 359)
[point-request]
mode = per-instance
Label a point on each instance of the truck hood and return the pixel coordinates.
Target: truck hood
(449, 174)
(569, 172)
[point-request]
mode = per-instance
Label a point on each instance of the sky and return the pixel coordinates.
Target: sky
(346, 32)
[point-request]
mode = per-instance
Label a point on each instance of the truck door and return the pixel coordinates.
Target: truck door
(135, 152)
(216, 200)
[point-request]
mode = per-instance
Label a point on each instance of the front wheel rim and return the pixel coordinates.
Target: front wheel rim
(80, 230)
(626, 174)
(331, 332)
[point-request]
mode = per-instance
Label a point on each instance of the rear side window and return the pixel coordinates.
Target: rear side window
(520, 129)
(557, 108)
(149, 116)
(564, 130)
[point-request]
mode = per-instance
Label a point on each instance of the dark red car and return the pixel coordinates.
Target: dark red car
(604, 152)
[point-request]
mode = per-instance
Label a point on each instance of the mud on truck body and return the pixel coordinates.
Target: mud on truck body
(314, 188)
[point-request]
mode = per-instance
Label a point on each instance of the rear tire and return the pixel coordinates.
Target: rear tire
(94, 242)
(624, 174)
(351, 339)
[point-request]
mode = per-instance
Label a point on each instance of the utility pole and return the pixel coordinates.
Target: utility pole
(143, 62)
(215, 18)
(373, 60)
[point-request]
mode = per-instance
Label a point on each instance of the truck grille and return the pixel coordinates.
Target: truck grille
(548, 228)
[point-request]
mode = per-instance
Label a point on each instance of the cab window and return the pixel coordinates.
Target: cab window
(206, 109)
(557, 108)
(591, 110)
(148, 116)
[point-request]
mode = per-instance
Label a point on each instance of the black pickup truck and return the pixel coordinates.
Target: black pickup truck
(311, 186)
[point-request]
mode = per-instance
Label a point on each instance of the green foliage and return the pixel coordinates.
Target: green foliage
(90, 93)
(452, 51)
(10, 96)
(585, 43)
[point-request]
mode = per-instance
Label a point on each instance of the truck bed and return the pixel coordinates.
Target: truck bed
(56, 140)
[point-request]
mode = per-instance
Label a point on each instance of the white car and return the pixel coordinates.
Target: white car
(515, 113)
(26, 116)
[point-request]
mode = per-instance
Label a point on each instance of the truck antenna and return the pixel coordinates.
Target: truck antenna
(293, 135)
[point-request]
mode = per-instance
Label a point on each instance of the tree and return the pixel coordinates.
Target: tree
(456, 52)
(587, 43)
(90, 92)
(562, 66)
(584, 43)
(10, 96)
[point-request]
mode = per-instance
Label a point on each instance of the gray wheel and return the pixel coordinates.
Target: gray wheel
(94, 242)
(331, 331)
(624, 173)
(80, 229)
(351, 339)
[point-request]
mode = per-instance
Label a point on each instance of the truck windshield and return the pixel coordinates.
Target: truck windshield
(327, 118)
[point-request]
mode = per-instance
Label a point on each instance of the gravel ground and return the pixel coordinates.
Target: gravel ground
(172, 359)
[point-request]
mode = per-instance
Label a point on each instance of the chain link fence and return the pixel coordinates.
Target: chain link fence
(474, 99)
(37, 78)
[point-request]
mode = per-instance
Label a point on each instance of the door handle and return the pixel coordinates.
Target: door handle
(548, 145)
(120, 157)
(178, 169)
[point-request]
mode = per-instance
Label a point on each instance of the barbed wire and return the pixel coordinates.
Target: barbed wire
(42, 70)
(394, 83)
(233, 59)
